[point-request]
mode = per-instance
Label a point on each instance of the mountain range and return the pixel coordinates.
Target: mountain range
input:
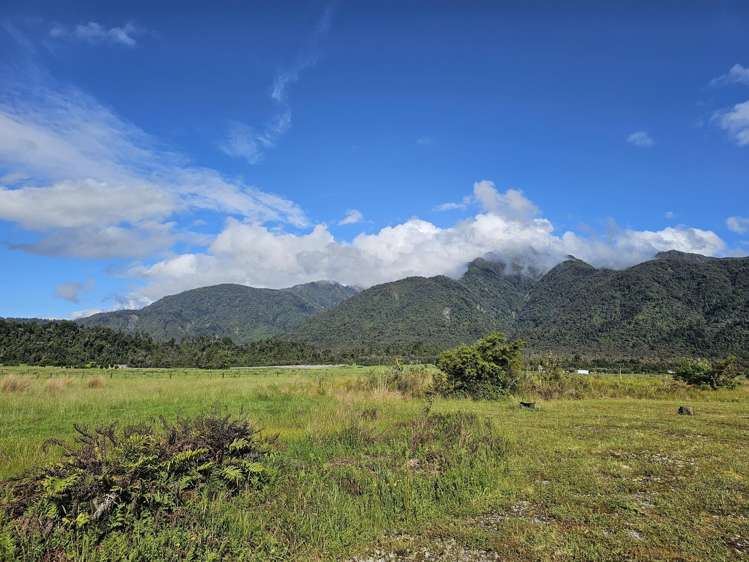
(676, 304)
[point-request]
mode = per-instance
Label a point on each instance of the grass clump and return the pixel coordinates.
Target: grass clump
(114, 480)
(57, 385)
(95, 382)
(409, 381)
(14, 383)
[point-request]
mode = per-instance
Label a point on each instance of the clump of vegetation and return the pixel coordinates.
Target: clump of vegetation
(704, 373)
(108, 480)
(95, 382)
(411, 381)
(56, 385)
(490, 368)
(13, 383)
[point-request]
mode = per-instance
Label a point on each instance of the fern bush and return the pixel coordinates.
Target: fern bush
(108, 479)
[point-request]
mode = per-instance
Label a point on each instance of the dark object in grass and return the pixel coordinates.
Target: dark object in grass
(685, 411)
(528, 405)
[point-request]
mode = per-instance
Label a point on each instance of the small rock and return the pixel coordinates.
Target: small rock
(685, 411)
(528, 405)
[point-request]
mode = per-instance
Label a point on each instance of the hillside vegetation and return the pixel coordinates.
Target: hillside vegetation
(677, 304)
(242, 313)
(674, 305)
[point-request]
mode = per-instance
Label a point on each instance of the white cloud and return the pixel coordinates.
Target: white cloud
(735, 122)
(669, 215)
(455, 205)
(352, 216)
(96, 186)
(640, 139)
(424, 141)
(736, 75)
(511, 204)
(75, 315)
(251, 143)
(245, 142)
(508, 227)
(739, 225)
(93, 32)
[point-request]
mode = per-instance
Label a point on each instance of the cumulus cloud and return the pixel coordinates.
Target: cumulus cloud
(640, 139)
(96, 186)
(507, 226)
(352, 216)
(511, 204)
(737, 74)
(93, 32)
(739, 225)
(735, 122)
(72, 290)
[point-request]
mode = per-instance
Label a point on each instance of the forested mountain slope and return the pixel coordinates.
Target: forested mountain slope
(241, 313)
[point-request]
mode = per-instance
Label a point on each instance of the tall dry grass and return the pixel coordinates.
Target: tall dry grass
(14, 383)
(57, 385)
(95, 382)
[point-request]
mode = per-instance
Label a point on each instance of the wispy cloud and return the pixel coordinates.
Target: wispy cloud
(251, 143)
(669, 215)
(455, 205)
(739, 225)
(71, 291)
(93, 32)
(352, 216)
(640, 139)
(97, 186)
(736, 75)
(425, 141)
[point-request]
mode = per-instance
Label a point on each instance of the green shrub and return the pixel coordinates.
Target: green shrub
(487, 369)
(108, 480)
(701, 372)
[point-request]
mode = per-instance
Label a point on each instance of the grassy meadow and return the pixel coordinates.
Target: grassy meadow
(369, 467)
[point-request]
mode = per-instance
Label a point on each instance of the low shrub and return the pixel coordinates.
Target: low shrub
(490, 368)
(109, 480)
(14, 383)
(704, 373)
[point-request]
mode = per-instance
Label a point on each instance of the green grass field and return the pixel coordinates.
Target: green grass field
(604, 469)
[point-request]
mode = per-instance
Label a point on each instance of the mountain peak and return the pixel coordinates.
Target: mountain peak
(682, 256)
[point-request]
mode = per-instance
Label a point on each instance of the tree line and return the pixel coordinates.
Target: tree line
(67, 344)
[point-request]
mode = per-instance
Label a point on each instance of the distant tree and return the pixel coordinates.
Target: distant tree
(487, 369)
(702, 372)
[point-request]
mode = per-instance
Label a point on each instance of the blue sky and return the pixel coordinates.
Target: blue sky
(147, 149)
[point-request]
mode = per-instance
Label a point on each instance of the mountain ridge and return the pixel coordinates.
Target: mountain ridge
(675, 303)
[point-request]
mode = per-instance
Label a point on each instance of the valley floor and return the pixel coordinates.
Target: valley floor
(370, 472)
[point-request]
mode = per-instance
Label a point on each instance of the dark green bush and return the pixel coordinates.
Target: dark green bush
(487, 369)
(108, 479)
(702, 372)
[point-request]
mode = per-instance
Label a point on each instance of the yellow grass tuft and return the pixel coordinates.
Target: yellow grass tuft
(14, 383)
(95, 382)
(58, 385)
